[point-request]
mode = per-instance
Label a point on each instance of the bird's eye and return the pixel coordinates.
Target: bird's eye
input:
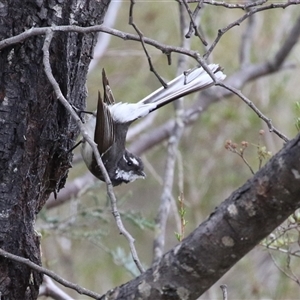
(129, 163)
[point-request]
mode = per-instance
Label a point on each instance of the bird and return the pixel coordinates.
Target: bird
(110, 123)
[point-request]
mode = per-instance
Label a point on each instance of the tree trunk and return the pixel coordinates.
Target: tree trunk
(36, 131)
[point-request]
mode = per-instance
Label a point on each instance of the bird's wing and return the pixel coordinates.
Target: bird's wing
(109, 98)
(105, 128)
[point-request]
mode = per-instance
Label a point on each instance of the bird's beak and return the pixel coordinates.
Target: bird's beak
(142, 174)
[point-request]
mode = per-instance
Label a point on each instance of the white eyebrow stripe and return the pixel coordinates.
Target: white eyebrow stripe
(124, 157)
(135, 161)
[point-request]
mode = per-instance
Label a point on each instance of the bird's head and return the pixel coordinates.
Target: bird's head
(129, 168)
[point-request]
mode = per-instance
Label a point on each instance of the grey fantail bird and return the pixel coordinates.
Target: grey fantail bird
(109, 125)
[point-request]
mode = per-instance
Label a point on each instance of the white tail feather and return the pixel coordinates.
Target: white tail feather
(182, 85)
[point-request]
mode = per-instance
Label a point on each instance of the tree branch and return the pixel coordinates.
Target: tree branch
(262, 203)
(110, 192)
(235, 81)
(193, 25)
(51, 274)
(50, 289)
(229, 5)
(230, 232)
(238, 22)
(97, 28)
(141, 36)
(255, 109)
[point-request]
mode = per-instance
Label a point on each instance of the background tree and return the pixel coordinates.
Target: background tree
(200, 169)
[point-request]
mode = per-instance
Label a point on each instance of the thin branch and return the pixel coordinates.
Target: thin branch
(165, 49)
(194, 16)
(255, 109)
(240, 152)
(51, 274)
(110, 192)
(292, 277)
(229, 5)
(193, 25)
(238, 22)
(152, 69)
(238, 80)
(50, 289)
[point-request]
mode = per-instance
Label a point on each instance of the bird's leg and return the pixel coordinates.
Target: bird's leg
(80, 112)
(74, 147)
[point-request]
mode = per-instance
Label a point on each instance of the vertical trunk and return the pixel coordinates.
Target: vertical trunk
(36, 132)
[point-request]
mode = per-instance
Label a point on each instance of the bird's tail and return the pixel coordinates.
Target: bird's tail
(183, 85)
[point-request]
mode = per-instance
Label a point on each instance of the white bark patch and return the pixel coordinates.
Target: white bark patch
(5, 101)
(281, 162)
(183, 293)
(176, 249)
(10, 56)
(250, 208)
(58, 10)
(190, 270)
(296, 173)
(232, 210)
(145, 289)
(227, 241)
(4, 214)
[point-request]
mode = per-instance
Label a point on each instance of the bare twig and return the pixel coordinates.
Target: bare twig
(238, 22)
(65, 103)
(240, 152)
(238, 80)
(131, 22)
(50, 289)
(167, 50)
(127, 36)
(194, 16)
(229, 5)
(51, 274)
(255, 109)
(291, 276)
(193, 25)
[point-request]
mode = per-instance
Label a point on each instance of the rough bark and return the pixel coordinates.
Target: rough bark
(231, 231)
(36, 131)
